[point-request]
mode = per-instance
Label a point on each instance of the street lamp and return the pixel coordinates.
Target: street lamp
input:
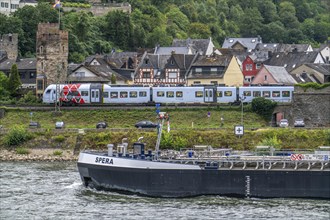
(242, 98)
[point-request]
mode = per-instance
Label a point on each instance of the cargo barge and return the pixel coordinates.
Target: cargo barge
(205, 173)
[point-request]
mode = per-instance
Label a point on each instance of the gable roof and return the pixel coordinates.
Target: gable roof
(198, 45)
(280, 74)
(291, 60)
(249, 43)
(171, 50)
(26, 64)
(322, 68)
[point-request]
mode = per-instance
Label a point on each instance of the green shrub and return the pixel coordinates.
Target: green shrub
(59, 138)
(22, 150)
(263, 107)
(166, 141)
(313, 85)
(57, 153)
(16, 136)
(180, 142)
(272, 141)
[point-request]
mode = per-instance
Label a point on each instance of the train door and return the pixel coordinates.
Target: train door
(209, 95)
(95, 95)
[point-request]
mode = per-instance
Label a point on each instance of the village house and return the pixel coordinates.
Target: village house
(312, 72)
(273, 75)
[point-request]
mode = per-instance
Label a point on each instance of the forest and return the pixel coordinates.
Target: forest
(153, 22)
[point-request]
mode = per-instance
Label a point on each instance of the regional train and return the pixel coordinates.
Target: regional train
(96, 93)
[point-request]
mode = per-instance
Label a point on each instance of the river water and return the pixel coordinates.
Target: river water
(44, 190)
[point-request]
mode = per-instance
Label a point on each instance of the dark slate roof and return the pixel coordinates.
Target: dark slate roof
(214, 60)
(291, 60)
(183, 60)
(305, 78)
(170, 50)
(26, 64)
(196, 44)
(240, 55)
(280, 74)
(249, 43)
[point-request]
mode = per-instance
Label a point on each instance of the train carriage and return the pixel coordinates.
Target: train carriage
(122, 95)
(274, 93)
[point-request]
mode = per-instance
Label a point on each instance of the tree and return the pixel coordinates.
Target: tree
(14, 80)
(4, 84)
(113, 79)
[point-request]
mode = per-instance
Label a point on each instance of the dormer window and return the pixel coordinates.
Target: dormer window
(265, 77)
(172, 62)
(231, 41)
(146, 61)
(253, 40)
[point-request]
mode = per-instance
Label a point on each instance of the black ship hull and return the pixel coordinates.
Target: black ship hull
(151, 179)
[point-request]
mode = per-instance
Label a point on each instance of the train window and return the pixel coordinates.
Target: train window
(105, 94)
(74, 93)
(143, 94)
(170, 94)
(285, 93)
(133, 94)
(48, 91)
(160, 94)
(199, 94)
(247, 93)
(123, 94)
(276, 94)
(114, 95)
(256, 93)
(266, 93)
(84, 93)
(179, 94)
(228, 93)
(219, 93)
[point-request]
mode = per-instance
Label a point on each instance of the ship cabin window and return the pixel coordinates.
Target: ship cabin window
(198, 94)
(276, 94)
(160, 94)
(247, 93)
(256, 93)
(170, 94)
(285, 93)
(105, 94)
(123, 94)
(142, 94)
(114, 95)
(133, 94)
(228, 93)
(179, 94)
(219, 93)
(266, 94)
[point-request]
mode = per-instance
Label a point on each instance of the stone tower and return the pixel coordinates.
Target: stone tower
(9, 43)
(52, 54)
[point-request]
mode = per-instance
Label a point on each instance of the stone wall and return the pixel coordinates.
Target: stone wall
(9, 43)
(311, 105)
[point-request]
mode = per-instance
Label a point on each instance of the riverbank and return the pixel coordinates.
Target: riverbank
(37, 155)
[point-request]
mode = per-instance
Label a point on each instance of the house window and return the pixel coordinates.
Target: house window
(198, 70)
(40, 85)
(22, 75)
(2, 4)
(41, 49)
(214, 69)
(146, 75)
(172, 62)
(197, 82)
(258, 65)
(80, 74)
(146, 61)
(248, 67)
(214, 82)
(172, 75)
(265, 77)
(32, 75)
